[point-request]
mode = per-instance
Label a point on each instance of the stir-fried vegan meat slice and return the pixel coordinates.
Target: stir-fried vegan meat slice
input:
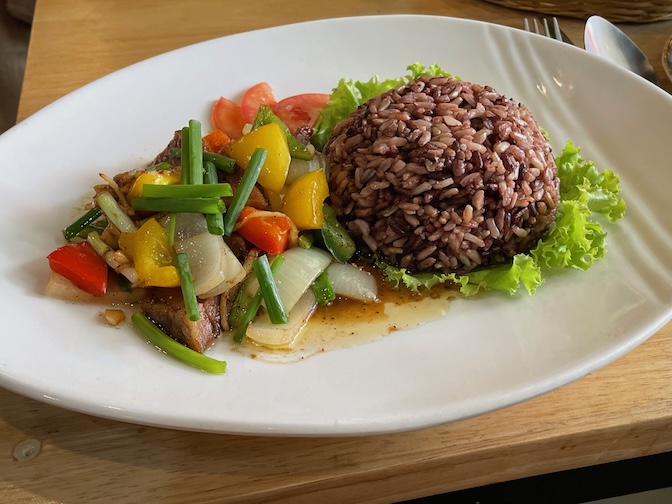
(165, 157)
(166, 308)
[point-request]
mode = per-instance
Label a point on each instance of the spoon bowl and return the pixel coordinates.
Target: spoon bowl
(603, 38)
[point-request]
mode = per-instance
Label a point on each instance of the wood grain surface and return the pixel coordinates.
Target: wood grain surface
(620, 412)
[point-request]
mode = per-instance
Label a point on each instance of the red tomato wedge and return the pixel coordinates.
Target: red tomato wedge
(300, 110)
(268, 232)
(255, 96)
(228, 116)
(82, 265)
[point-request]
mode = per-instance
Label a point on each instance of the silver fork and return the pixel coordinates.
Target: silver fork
(555, 33)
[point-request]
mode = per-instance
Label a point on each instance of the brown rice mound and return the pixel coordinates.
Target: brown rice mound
(442, 175)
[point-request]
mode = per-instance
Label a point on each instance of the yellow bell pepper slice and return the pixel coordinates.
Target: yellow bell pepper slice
(304, 199)
(153, 258)
(162, 177)
(273, 139)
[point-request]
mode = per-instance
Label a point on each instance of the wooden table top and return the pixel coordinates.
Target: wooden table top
(619, 412)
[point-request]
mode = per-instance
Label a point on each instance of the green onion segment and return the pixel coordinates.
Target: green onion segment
(215, 221)
(220, 161)
(269, 291)
(167, 344)
(187, 285)
(195, 174)
(207, 190)
(185, 172)
(171, 229)
(208, 205)
(254, 304)
(114, 213)
(247, 182)
(74, 229)
(323, 289)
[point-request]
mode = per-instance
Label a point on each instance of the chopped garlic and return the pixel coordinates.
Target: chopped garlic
(114, 317)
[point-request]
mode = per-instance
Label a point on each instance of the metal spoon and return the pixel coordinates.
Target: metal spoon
(604, 39)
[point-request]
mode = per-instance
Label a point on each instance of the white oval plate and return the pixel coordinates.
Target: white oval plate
(485, 354)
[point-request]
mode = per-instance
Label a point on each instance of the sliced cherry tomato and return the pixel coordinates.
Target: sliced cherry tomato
(216, 141)
(300, 110)
(228, 117)
(268, 232)
(255, 96)
(81, 264)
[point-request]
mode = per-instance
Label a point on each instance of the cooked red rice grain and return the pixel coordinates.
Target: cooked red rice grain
(442, 175)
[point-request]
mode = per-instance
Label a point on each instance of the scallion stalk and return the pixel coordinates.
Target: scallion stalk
(242, 193)
(322, 288)
(306, 240)
(171, 229)
(254, 304)
(194, 205)
(114, 212)
(207, 190)
(107, 253)
(187, 285)
(185, 173)
(215, 221)
(269, 291)
(164, 165)
(252, 309)
(195, 152)
(74, 229)
(222, 162)
(167, 344)
(98, 226)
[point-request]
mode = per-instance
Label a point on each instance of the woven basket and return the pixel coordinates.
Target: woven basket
(616, 10)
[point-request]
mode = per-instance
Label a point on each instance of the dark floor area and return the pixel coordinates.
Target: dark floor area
(626, 478)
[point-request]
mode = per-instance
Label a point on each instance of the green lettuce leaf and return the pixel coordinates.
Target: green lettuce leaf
(582, 181)
(349, 94)
(575, 241)
(522, 270)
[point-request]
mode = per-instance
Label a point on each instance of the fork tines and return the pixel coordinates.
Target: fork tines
(556, 34)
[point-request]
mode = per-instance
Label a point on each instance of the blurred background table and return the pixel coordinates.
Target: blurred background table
(621, 412)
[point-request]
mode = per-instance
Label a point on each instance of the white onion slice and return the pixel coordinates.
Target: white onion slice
(205, 252)
(186, 225)
(60, 287)
(299, 270)
(213, 265)
(352, 282)
(263, 332)
(298, 167)
(234, 273)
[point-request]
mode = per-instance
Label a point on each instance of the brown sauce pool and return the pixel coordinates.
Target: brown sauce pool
(344, 323)
(347, 323)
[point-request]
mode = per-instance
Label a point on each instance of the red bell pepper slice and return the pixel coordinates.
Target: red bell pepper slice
(81, 264)
(216, 140)
(268, 232)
